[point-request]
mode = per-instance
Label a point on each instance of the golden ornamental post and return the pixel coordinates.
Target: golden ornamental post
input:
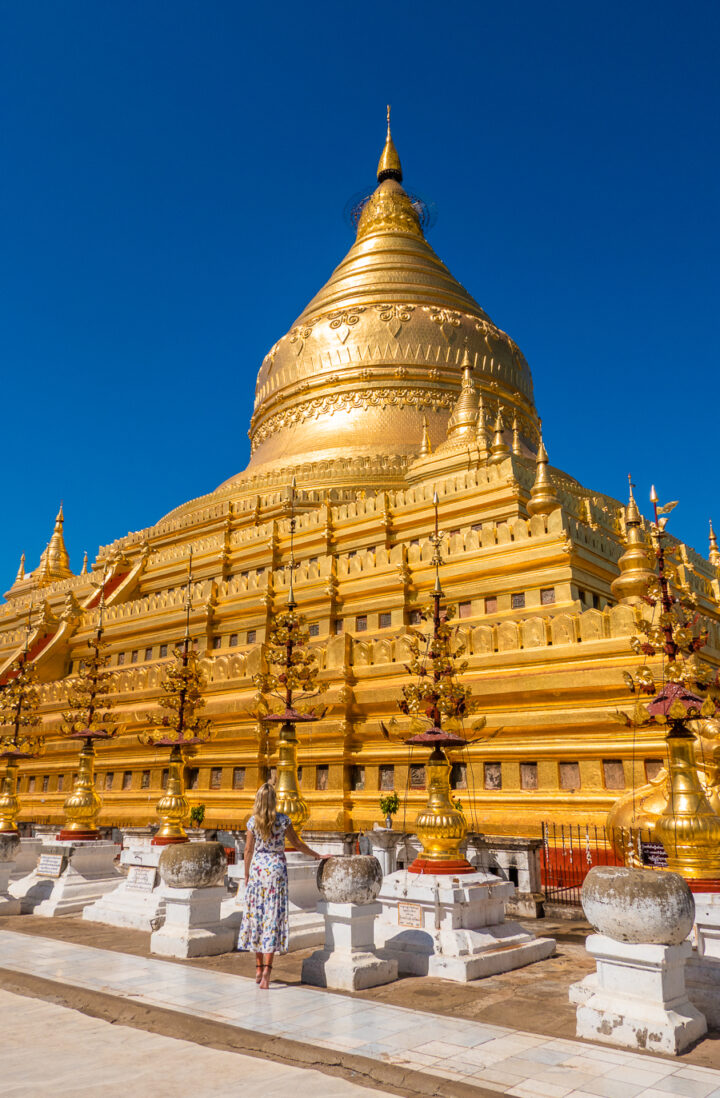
(88, 718)
(687, 827)
(438, 699)
(290, 681)
(18, 720)
(180, 727)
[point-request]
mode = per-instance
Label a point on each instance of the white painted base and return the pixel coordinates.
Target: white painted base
(383, 843)
(193, 926)
(127, 905)
(8, 904)
(702, 972)
(89, 873)
(26, 859)
(637, 998)
(348, 961)
(453, 927)
(306, 924)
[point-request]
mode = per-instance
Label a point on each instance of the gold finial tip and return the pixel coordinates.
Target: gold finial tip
(436, 499)
(389, 166)
(653, 494)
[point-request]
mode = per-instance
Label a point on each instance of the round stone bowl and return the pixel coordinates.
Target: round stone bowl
(193, 865)
(638, 905)
(9, 846)
(354, 880)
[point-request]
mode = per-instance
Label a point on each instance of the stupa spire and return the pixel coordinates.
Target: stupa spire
(499, 449)
(482, 431)
(636, 570)
(21, 570)
(389, 166)
(425, 444)
(55, 562)
(543, 498)
(463, 421)
(84, 569)
(714, 551)
(516, 436)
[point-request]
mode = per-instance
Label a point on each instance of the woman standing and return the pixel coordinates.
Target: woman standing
(265, 918)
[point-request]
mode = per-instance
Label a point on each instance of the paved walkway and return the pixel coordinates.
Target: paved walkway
(493, 1057)
(84, 1057)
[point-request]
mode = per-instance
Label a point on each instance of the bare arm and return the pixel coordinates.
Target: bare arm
(297, 844)
(249, 849)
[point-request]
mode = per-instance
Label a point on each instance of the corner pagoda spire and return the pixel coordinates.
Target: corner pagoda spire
(499, 449)
(55, 562)
(389, 166)
(543, 498)
(636, 570)
(21, 570)
(425, 444)
(714, 555)
(463, 421)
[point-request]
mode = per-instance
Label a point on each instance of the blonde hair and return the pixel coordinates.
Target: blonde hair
(265, 810)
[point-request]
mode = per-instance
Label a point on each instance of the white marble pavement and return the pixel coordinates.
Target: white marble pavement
(525, 1065)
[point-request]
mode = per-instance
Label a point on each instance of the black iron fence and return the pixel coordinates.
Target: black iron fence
(570, 851)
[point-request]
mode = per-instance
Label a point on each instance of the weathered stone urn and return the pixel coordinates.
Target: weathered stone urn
(9, 846)
(193, 865)
(354, 880)
(638, 905)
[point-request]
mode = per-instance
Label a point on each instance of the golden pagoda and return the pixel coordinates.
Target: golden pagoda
(392, 384)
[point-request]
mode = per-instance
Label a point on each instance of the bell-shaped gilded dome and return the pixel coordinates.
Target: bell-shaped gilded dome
(377, 350)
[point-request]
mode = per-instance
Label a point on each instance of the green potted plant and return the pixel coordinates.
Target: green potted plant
(197, 815)
(389, 805)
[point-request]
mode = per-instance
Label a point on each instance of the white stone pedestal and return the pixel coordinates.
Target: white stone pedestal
(193, 925)
(637, 998)
(383, 842)
(68, 876)
(9, 905)
(452, 927)
(348, 961)
(306, 924)
(139, 900)
(26, 859)
(702, 972)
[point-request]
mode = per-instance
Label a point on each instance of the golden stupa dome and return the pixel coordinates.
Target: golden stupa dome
(380, 348)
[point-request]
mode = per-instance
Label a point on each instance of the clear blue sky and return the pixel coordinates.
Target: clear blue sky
(173, 181)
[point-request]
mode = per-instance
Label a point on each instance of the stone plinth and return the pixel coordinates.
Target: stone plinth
(193, 924)
(702, 973)
(515, 859)
(384, 843)
(453, 927)
(637, 997)
(26, 859)
(348, 960)
(336, 843)
(85, 871)
(138, 900)
(9, 849)
(135, 840)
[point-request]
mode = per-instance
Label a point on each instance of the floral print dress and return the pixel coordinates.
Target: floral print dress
(265, 918)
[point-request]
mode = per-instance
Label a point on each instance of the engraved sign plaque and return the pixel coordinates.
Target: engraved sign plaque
(141, 878)
(50, 865)
(410, 914)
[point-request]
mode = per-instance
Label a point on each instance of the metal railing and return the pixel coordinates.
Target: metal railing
(570, 851)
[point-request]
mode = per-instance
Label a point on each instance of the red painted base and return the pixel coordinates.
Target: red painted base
(77, 836)
(452, 867)
(167, 842)
(695, 884)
